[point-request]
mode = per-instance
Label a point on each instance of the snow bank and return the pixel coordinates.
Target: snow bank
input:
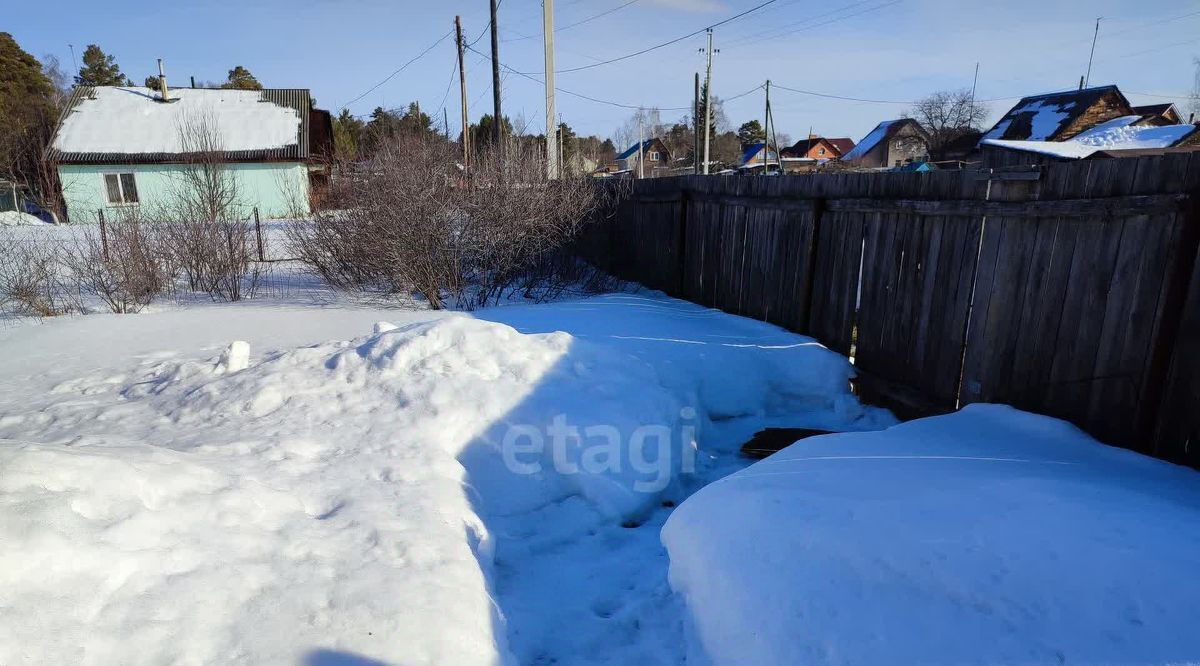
(986, 536)
(12, 218)
(130, 120)
(337, 500)
(1116, 134)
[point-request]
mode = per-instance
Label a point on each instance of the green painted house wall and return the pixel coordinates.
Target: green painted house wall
(275, 188)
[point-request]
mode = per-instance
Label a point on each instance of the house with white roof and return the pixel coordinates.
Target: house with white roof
(117, 147)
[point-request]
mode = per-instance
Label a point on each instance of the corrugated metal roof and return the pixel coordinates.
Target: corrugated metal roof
(298, 99)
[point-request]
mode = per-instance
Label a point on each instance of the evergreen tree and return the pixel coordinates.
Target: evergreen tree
(347, 136)
(481, 133)
(751, 132)
(28, 109)
(151, 81)
(100, 69)
(240, 78)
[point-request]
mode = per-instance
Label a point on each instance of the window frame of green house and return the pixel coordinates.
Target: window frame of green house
(124, 187)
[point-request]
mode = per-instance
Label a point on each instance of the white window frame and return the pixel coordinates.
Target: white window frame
(120, 188)
(653, 155)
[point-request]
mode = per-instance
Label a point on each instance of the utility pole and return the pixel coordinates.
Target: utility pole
(641, 148)
(708, 100)
(1088, 78)
(696, 128)
(551, 134)
(496, 129)
(446, 122)
(462, 88)
(767, 129)
(974, 82)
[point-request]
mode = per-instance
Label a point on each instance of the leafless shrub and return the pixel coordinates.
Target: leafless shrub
(206, 229)
(120, 263)
(33, 277)
(417, 223)
(400, 232)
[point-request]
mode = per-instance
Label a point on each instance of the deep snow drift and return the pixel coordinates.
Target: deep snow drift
(986, 536)
(165, 497)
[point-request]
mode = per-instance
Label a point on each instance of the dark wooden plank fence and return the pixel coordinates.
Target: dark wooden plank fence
(1069, 289)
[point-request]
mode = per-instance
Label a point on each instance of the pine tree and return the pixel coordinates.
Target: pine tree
(347, 136)
(751, 132)
(240, 78)
(152, 81)
(100, 69)
(28, 109)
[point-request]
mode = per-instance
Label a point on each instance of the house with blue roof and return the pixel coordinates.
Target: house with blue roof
(756, 156)
(645, 159)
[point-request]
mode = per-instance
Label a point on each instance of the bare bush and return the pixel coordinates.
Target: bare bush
(120, 263)
(399, 233)
(417, 223)
(34, 281)
(207, 232)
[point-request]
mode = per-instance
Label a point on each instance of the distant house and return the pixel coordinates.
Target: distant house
(1125, 133)
(652, 154)
(118, 147)
(1059, 116)
(819, 148)
(756, 156)
(892, 143)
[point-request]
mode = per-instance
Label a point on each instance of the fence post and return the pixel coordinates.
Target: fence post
(1152, 407)
(103, 234)
(681, 243)
(258, 235)
(818, 212)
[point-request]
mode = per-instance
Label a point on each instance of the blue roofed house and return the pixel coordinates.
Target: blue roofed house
(651, 155)
(117, 147)
(756, 157)
(893, 143)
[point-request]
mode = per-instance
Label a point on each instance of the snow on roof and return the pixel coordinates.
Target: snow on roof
(132, 121)
(870, 140)
(1116, 134)
(1041, 117)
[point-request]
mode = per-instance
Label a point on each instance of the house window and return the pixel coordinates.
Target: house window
(654, 156)
(121, 188)
(821, 151)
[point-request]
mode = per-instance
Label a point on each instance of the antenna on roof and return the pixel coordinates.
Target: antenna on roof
(1088, 77)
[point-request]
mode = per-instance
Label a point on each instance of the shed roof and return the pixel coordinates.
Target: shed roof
(120, 124)
(1044, 117)
(1116, 134)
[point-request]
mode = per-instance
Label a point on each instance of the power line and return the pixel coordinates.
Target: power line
(664, 44)
(581, 22)
(780, 31)
(605, 101)
(401, 69)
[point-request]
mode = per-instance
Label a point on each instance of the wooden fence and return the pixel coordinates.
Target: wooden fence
(1071, 290)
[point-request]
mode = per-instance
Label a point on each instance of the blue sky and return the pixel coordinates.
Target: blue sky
(890, 50)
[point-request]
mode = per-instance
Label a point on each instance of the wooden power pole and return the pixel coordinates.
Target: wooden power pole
(696, 128)
(708, 100)
(462, 87)
(551, 128)
(496, 128)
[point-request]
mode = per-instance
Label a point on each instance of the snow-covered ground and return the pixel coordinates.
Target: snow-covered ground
(989, 536)
(363, 490)
(358, 484)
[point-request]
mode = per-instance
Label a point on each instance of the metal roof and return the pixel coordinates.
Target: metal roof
(298, 99)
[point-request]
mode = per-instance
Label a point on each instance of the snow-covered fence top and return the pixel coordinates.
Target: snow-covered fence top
(1072, 289)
